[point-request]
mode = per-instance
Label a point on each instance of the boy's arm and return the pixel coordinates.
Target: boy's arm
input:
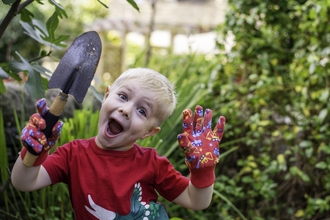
(200, 145)
(195, 198)
(29, 175)
(27, 179)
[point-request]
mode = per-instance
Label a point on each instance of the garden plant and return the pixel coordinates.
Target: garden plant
(273, 88)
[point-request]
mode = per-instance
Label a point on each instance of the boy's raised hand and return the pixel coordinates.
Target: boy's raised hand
(34, 140)
(200, 144)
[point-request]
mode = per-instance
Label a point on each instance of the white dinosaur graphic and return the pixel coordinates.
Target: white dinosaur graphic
(139, 210)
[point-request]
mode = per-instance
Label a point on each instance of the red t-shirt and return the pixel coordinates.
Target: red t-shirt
(114, 184)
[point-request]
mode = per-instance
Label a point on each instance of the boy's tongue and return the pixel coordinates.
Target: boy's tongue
(114, 127)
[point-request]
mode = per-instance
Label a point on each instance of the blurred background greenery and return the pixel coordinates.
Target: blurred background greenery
(271, 82)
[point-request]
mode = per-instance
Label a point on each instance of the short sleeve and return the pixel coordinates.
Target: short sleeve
(57, 166)
(169, 182)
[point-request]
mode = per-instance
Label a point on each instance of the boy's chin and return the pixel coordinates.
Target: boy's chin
(98, 141)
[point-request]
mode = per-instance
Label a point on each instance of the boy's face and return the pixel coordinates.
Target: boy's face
(127, 114)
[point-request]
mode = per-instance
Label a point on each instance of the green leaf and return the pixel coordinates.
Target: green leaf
(8, 2)
(40, 69)
(37, 31)
(304, 177)
(133, 3)
(57, 4)
(305, 144)
(294, 170)
(34, 84)
(321, 165)
(60, 39)
(324, 95)
(3, 74)
(51, 25)
(26, 15)
(297, 172)
(309, 152)
(323, 114)
(325, 148)
(103, 4)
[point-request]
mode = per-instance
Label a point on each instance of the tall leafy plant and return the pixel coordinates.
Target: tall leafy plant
(274, 90)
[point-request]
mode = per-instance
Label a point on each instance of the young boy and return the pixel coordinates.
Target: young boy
(110, 176)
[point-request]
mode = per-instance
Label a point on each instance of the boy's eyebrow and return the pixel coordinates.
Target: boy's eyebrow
(147, 100)
(149, 103)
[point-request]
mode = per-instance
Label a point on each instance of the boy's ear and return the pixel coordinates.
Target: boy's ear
(107, 91)
(151, 132)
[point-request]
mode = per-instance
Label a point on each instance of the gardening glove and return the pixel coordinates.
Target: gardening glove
(33, 137)
(200, 145)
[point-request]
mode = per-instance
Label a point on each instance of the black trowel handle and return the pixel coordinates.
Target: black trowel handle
(51, 117)
(55, 110)
(50, 122)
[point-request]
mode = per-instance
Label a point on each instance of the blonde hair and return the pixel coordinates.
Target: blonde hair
(155, 82)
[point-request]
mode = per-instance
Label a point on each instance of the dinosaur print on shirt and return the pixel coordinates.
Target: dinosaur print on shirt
(139, 210)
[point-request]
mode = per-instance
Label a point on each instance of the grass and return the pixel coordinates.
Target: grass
(3, 163)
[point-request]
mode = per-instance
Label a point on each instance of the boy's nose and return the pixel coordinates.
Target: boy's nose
(124, 112)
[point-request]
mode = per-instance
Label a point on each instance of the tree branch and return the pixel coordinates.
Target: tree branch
(24, 4)
(15, 8)
(10, 15)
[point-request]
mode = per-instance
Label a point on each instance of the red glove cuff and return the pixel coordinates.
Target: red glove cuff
(202, 178)
(40, 158)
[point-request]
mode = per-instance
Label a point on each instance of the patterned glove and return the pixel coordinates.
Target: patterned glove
(33, 138)
(201, 145)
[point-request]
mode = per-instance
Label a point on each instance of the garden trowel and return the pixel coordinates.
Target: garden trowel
(73, 76)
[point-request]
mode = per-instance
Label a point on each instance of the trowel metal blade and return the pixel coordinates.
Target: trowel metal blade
(77, 67)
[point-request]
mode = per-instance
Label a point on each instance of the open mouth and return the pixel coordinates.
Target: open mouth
(114, 127)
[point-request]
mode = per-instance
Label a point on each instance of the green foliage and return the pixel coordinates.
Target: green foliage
(45, 35)
(46, 39)
(3, 161)
(133, 3)
(82, 125)
(273, 88)
(191, 76)
(52, 202)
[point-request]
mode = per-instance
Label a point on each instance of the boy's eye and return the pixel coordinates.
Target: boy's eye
(142, 112)
(123, 97)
